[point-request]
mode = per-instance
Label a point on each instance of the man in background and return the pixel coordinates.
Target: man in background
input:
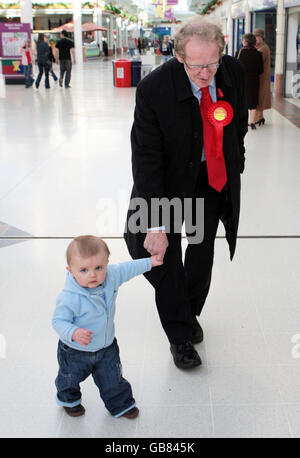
(63, 53)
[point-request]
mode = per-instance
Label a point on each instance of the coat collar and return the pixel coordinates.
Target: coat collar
(182, 84)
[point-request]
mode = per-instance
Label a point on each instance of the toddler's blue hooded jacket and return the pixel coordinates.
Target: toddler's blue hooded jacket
(93, 308)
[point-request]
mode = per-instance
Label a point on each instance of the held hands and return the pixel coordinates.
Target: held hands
(155, 261)
(82, 336)
(156, 243)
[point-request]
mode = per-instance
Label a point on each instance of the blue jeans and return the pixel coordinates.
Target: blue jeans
(105, 366)
(52, 72)
(43, 67)
(27, 73)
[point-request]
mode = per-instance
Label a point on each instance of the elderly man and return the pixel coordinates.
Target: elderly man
(188, 143)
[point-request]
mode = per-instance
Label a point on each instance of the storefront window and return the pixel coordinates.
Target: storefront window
(292, 65)
(266, 20)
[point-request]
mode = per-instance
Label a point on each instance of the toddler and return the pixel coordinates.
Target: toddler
(84, 321)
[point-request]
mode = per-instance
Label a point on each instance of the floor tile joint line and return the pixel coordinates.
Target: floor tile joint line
(122, 238)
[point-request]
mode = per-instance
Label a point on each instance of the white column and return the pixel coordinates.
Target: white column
(77, 31)
(229, 28)
(110, 35)
(119, 35)
(173, 30)
(97, 19)
(26, 12)
(247, 17)
(125, 35)
(279, 58)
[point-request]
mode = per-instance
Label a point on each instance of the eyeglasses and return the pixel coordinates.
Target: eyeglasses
(211, 67)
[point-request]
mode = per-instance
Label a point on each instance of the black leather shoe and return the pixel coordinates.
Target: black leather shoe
(197, 332)
(185, 356)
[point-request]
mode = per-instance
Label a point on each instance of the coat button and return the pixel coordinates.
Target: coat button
(196, 134)
(191, 164)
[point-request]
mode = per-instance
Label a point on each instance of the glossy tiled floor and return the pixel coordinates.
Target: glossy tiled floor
(65, 171)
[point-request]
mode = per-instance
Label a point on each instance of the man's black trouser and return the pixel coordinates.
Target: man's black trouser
(65, 68)
(181, 287)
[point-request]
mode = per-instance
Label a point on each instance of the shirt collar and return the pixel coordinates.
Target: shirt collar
(194, 86)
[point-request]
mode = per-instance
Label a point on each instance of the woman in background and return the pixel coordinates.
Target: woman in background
(251, 60)
(51, 58)
(28, 57)
(264, 98)
(43, 51)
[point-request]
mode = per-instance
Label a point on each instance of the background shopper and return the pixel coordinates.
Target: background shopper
(64, 48)
(42, 50)
(264, 96)
(52, 59)
(28, 57)
(166, 49)
(253, 65)
(131, 46)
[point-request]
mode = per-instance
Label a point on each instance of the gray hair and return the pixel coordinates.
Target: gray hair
(205, 29)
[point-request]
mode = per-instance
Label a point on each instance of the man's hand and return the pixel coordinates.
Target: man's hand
(82, 336)
(156, 243)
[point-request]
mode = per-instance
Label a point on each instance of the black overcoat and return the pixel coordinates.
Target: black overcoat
(252, 62)
(167, 139)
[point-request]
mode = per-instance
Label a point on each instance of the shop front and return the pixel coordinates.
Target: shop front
(292, 46)
(47, 15)
(264, 17)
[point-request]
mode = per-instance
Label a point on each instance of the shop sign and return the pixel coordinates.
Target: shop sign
(162, 31)
(12, 37)
(291, 3)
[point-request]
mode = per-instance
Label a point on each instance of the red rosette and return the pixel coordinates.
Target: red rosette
(219, 114)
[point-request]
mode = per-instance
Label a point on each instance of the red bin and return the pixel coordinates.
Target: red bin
(122, 73)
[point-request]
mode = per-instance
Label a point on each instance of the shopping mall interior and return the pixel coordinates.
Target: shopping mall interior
(66, 171)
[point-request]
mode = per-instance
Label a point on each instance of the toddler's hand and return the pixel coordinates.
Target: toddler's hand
(155, 261)
(82, 336)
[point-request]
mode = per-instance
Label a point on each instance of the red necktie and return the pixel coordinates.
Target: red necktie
(216, 169)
